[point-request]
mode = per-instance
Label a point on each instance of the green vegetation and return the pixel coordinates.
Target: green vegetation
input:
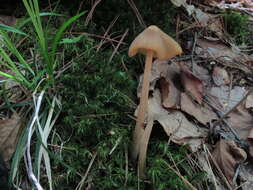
(237, 26)
(97, 98)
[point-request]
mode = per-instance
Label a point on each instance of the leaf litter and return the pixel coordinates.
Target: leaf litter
(9, 133)
(190, 100)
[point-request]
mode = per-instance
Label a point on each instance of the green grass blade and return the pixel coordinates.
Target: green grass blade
(71, 40)
(27, 20)
(59, 35)
(9, 44)
(12, 29)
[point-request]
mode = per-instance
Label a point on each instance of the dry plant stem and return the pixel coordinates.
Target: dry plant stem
(139, 127)
(181, 177)
(144, 146)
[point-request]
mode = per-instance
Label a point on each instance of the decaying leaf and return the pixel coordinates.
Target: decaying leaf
(202, 113)
(8, 20)
(175, 124)
(9, 129)
(227, 97)
(209, 21)
(230, 56)
(170, 95)
(249, 101)
(205, 164)
(191, 83)
(220, 76)
(246, 175)
(227, 156)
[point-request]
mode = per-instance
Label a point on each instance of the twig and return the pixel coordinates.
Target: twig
(126, 168)
(219, 170)
(117, 47)
(96, 36)
(192, 53)
(106, 32)
(89, 16)
(80, 185)
(179, 175)
(137, 13)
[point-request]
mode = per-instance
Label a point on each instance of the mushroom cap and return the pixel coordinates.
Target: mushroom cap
(153, 38)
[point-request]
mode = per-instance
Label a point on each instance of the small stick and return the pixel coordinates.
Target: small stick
(179, 175)
(117, 47)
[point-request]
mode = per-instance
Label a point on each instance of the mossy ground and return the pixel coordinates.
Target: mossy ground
(99, 98)
(98, 101)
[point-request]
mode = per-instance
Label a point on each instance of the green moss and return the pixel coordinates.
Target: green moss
(237, 26)
(97, 101)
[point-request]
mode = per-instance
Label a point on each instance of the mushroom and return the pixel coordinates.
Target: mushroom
(152, 42)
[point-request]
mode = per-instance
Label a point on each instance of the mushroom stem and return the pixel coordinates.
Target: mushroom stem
(144, 146)
(139, 127)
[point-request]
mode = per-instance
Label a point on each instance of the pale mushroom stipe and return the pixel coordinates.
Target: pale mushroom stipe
(153, 43)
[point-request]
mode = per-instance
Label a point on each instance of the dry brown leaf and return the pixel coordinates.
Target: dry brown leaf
(8, 20)
(175, 124)
(165, 75)
(191, 83)
(226, 97)
(242, 121)
(209, 21)
(170, 95)
(249, 101)
(202, 113)
(9, 129)
(227, 156)
(220, 76)
(218, 51)
(206, 166)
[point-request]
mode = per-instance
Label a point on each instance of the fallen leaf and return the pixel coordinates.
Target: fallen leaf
(8, 20)
(9, 129)
(206, 166)
(246, 175)
(175, 124)
(167, 76)
(209, 21)
(249, 101)
(227, 156)
(201, 112)
(216, 50)
(226, 97)
(191, 83)
(170, 96)
(220, 76)
(199, 72)
(242, 121)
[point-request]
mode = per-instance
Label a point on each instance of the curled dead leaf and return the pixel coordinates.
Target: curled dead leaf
(176, 125)
(227, 156)
(202, 113)
(191, 83)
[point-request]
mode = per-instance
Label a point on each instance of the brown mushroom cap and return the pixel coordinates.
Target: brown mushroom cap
(153, 38)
